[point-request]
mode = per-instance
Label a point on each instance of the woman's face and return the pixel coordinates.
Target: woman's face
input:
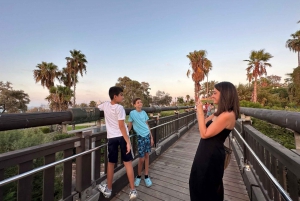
(216, 96)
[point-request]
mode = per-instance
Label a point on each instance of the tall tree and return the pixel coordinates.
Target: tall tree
(211, 86)
(75, 64)
(187, 98)
(162, 98)
(59, 98)
(92, 104)
(196, 61)
(133, 89)
(257, 63)
(207, 67)
(294, 44)
(12, 101)
(46, 74)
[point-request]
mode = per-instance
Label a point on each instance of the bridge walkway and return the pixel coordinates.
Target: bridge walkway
(170, 174)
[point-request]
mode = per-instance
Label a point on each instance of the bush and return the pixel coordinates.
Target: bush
(45, 129)
(277, 133)
(244, 103)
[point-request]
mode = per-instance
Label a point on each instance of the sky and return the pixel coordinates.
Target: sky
(143, 40)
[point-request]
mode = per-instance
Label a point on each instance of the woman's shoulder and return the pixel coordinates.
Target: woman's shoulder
(227, 115)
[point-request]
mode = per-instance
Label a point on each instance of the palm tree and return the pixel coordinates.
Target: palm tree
(75, 64)
(188, 98)
(207, 66)
(257, 63)
(46, 73)
(196, 62)
(59, 98)
(294, 44)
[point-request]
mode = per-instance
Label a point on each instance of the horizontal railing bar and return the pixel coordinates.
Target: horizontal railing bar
(273, 179)
(27, 120)
(31, 172)
(170, 121)
(281, 118)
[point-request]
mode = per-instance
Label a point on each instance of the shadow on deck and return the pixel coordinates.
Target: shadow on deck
(170, 174)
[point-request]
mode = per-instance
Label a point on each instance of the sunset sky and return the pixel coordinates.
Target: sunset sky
(144, 40)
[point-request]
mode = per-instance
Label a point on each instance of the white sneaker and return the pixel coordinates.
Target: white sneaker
(104, 190)
(133, 195)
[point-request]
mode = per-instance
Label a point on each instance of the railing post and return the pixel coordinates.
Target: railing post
(154, 131)
(297, 140)
(245, 121)
(83, 166)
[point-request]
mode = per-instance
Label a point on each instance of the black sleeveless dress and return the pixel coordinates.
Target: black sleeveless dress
(208, 168)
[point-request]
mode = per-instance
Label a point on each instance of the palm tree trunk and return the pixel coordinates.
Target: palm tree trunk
(207, 86)
(255, 90)
(74, 100)
(196, 97)
(298, 58)
(74, 85)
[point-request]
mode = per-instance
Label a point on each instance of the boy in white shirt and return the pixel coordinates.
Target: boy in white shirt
(117, 135)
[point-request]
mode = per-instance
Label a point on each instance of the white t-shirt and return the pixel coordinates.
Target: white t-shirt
(112, 115)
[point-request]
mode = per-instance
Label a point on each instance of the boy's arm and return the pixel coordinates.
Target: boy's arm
(129, 125)
(124, 133)
(152, 141)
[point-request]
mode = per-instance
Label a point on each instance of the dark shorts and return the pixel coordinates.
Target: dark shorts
(144, 145)
(112, 150)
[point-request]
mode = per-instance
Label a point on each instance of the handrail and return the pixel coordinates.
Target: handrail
(31, 172)
(269, 174)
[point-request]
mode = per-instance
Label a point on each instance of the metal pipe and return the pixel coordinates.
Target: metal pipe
(281, 118)
(269, 174)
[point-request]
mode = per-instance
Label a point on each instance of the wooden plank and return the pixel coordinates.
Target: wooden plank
(25, 184)
(48, 179)
(67, 174)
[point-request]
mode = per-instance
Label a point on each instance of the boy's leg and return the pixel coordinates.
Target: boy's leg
(146, 172)
(110, 174)
(112, 151)
(140, 165)
(147, 150)
(130, 174)
(127, 160)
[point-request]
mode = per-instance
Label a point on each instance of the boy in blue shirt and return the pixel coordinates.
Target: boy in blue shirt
(138, 118)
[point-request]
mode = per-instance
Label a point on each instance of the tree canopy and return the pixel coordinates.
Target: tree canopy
(12, 101)
(133, 89)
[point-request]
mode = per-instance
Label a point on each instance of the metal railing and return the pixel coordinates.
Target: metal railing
(86, 170)
(282, 192)
(31, 172)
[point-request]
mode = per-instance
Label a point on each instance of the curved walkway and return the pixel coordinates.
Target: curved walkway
(170, 174)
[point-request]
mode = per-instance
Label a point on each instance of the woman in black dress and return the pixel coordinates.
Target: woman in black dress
(208, 167)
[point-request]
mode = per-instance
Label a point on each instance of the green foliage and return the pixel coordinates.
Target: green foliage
(133, 89)
(12, 101)
(23, 138)
(62, 136)
(244, 103)
(278, 134)
(45, 129)
(161, 98)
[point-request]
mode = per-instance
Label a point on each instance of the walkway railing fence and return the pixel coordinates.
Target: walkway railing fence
(80, 161)
(282, 163)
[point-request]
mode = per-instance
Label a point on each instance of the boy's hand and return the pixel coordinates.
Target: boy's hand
(152, 142)
(128, 147)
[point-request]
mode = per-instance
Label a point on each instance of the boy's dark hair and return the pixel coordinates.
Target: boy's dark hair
(136, 99)
(114, 91)
(229, 100)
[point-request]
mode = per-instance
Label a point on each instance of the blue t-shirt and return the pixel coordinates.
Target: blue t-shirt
(138, 120)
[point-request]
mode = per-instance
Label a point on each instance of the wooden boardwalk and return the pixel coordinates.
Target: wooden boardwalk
(170, 174)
